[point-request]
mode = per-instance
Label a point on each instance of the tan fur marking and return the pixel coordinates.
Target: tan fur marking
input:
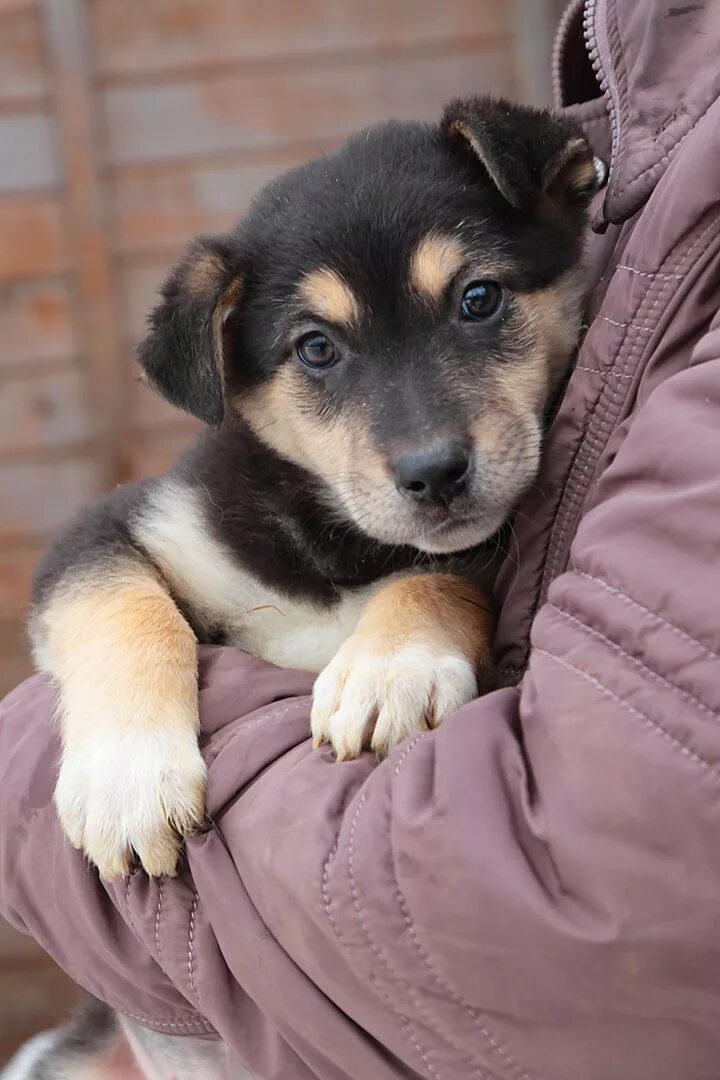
(414, 658)
(126, 636)
(330, 448)
(126, 662)
(227, 303)
(434, 263)
(550, 328)
(572, 168)
(520, 391)
(328, 296)
(439, 610)
(204, 274)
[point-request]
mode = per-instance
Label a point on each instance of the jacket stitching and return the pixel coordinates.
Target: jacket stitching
(589, 453)
(192, 1025)
(653, 615)
(128, 883)
(158, 913)
(408, 1028)
(649, 273)
(669, 152)
(492, 1043)
(566, 513)
(472, 1013)
(437, 978)
(248, 725)
(625, 325)
(651, 725)
(585, 459)
(608, 372)
(191, 947)
(653, 676)
(595, 440)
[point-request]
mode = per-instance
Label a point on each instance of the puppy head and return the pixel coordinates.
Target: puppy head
(395, 318)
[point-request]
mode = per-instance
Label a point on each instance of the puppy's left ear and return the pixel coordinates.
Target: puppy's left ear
(526, 152)
(184, 354)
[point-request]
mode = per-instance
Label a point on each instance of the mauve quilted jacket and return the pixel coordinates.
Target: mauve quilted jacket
(533, 891)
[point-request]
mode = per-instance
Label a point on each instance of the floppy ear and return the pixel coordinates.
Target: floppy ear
(527, 153)
(183, 354)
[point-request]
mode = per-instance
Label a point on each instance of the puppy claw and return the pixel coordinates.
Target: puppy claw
(131, 793)
(382, 693)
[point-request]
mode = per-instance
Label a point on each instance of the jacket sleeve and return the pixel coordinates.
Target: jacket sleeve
(531, 892)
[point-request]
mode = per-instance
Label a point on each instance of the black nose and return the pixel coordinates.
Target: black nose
(435, 474)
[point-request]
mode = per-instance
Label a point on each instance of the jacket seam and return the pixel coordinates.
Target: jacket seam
(669, 152)
(683, 634)
(408, 1027)
(248, 725)
(492, 1043)
(178, 1022)
(590, 449)
(603, 371)
(158, 916)
(652, 725)
(592, 443)
(442, 983)
(516, 1069)
(648, 273)
(635, 662)
(191, 947)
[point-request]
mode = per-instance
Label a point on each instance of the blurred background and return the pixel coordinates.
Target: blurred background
(127, 126)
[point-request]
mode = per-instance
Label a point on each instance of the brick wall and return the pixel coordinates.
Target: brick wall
(126, 127)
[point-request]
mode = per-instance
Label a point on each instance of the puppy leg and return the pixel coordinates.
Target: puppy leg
(132, 778)
(415, 656)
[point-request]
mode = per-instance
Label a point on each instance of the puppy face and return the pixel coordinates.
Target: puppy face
(395, 318)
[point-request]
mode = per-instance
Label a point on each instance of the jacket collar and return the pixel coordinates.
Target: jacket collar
(656, 64)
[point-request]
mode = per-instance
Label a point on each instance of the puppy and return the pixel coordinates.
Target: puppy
(373, 350)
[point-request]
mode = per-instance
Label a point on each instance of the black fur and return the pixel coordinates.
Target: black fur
(522, 150)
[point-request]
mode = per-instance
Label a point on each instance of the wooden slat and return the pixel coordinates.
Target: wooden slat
(233, 112)
(17, 566)
(35, 322)
(86, 209)
(13, 6)
(43, 411)
(32, 240)
(39, 497)
(166, 35)
(535, 23)
(28, 160)
(22, 74)
(163, 206)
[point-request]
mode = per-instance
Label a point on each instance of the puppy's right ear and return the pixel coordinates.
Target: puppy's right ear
(527, 153)
(183, 354)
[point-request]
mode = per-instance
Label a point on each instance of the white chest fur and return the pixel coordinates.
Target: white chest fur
(200, 570)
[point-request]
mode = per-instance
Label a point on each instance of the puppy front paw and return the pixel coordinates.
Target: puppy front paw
(131, 793)
(375, 692)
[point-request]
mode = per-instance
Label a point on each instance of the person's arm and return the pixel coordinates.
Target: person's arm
(529, 892)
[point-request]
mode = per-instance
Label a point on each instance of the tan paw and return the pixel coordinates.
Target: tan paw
(374, 693)
(124, 794)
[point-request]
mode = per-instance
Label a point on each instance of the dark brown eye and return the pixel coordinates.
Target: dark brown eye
(316, 351)
(481, 300)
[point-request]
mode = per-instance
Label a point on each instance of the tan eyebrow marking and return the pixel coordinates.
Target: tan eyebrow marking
(327, 295)
(434, 263)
